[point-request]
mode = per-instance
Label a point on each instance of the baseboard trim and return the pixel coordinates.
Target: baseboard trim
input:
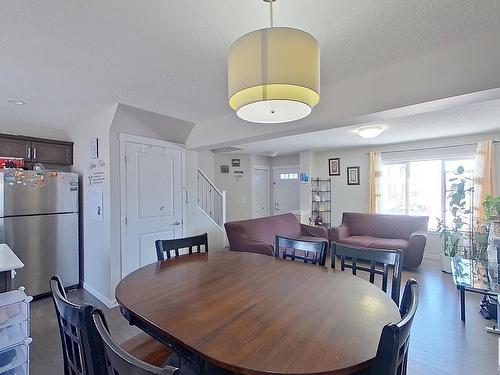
(432, 256)
(109, 303)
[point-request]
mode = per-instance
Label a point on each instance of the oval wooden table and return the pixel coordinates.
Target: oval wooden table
(254, 314)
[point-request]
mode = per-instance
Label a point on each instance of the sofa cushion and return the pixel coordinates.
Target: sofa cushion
(376, 242)
(384, 226)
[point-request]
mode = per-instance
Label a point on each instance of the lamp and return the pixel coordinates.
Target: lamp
(274, 74)
(370, 131)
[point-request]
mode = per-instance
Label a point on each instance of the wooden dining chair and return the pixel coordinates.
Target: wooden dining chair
(392, 352)
(118, 361)
(165, 247)
(381, 261)
(313, 252)
(78, 356)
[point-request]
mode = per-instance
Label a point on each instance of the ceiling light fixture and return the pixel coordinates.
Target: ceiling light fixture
(16, 102)
(371, 131)
(274, 74)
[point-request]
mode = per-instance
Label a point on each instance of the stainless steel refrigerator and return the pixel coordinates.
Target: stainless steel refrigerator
(39, 222)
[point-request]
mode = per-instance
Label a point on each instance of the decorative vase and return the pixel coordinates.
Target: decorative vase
(445, 263)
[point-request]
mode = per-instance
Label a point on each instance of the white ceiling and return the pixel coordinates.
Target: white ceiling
(67, 59)
(459, 121)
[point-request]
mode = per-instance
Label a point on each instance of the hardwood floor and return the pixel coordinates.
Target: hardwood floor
(440, 342)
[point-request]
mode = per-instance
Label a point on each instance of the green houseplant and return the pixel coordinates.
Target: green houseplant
(451, 237)
(491, 206)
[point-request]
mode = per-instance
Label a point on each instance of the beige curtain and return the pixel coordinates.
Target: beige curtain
(484, 176)
(375, 193)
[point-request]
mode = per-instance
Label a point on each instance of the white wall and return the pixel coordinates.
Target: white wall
(286, 160)
(354, 198)
(206, 162)
(95, 236)
(239, 190)
(35, 131)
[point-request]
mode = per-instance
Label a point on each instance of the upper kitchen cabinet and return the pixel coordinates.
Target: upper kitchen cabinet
(16, 148)
(36, 150)
(52, 153)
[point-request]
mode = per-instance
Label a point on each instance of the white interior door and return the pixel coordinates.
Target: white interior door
(153, 182)
(261, 192)
(286, 190)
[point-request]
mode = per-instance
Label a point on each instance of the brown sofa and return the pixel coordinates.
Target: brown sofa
(407, 233)
(257, 235)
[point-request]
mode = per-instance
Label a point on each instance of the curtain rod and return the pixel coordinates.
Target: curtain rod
(431, 148)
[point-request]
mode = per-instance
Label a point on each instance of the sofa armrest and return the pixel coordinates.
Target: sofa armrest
(310, 231)
(339, 233)
(249, 246)
(415, 252)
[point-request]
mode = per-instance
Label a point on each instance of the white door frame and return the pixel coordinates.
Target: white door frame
(124, 138)
(269, 188)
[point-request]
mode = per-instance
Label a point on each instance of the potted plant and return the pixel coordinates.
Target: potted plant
(450, 242)
(491, 206)
(451, 238)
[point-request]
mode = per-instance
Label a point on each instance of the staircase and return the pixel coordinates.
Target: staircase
(211, 201)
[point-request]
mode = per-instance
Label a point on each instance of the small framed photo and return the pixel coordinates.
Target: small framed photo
(224, 168)
(94, 148)
(334, 167)
(235, 162)
(352, 175)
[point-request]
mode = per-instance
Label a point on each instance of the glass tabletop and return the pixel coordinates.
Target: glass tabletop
(476, 274)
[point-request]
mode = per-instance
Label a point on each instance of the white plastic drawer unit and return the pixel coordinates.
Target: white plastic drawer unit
(15, 359)
(14, 318)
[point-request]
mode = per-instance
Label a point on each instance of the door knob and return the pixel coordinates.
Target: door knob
(177, 223)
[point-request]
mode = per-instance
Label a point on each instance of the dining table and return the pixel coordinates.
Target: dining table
(248, 313)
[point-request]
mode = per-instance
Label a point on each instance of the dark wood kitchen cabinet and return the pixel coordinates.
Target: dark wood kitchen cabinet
(36, 150)
(52, 153)
(16, 148)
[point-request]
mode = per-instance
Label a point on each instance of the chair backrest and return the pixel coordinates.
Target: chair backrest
(165, 247)
(392, 352)
(309, 251)
(75, 333)
(119, 362)
(381, 261)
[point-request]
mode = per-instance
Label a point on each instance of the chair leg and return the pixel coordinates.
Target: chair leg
(462, 303)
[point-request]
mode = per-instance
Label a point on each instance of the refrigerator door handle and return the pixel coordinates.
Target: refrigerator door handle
(28, 152)
(34, 153)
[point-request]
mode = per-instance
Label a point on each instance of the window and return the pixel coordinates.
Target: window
(289, 176)
(421, 187)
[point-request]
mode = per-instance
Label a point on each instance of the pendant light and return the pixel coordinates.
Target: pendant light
(274, 74)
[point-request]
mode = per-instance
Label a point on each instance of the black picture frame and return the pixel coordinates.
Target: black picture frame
(334, 167)
(353, 176)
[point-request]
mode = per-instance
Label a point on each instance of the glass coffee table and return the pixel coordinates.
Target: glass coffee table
(477, 276)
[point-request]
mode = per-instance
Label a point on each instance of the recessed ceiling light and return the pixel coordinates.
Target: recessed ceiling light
(16, 102)
(371, 131)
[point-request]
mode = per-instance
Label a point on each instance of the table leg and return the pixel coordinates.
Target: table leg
(462, 303)
(495, 328)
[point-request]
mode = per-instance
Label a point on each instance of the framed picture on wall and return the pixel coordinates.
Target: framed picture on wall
(334, 167)
(224, 168)
(352, 175)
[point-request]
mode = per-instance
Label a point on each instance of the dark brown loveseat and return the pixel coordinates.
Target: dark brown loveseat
(257, 235)
(407, 233)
